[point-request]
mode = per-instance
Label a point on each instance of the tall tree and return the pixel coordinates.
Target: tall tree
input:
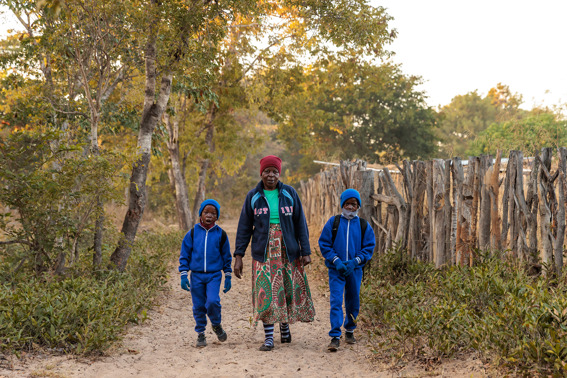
(286, 31)
(179, 36)
(529, 134)
(352, 109)
(467, 116)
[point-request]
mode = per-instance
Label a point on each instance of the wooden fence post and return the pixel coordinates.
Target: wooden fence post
(484, 208)
(545, 204)
(430, 212)
(438, 234)
(417, 213)
(447, 211)
(562, 169)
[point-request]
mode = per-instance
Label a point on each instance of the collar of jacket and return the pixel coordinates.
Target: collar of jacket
(200, 225)
(260, 187)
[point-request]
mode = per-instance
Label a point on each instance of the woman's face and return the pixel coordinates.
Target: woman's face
(270, 177)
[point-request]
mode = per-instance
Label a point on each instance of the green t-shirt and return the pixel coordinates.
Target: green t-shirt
(273, 203)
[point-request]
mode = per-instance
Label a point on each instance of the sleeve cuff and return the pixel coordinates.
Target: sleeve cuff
(335, 259)
(184, 273)
(358, 260)
(227, 274)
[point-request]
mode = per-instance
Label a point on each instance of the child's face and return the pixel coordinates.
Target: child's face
(209, 215)
(351, 204)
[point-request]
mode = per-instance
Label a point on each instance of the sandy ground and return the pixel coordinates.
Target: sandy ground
(164, 345)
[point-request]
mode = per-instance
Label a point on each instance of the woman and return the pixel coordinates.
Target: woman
(273, 216)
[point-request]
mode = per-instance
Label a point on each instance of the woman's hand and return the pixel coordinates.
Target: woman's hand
(238, 266)
(306, 260)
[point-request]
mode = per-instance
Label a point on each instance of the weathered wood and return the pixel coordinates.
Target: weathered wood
(438, 234)
(511, 206)
(363, 181)
(494, 190)
(382, 239)
(460, 233)
(544, 208)
(484, 208)
(447, 212)
(417, 209)
(455, 220)
(430, 213)
(560, 238)
(532, 203)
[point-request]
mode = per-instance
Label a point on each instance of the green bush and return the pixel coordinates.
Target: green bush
(52, 189)
(493, 308)
(84, 313)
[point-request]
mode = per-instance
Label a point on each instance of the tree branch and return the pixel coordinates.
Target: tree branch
(16, 242)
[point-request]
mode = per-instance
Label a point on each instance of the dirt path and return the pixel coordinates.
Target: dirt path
(163, 346)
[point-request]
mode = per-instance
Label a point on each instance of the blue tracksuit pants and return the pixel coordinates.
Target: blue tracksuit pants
(349, 289)
(205, 289)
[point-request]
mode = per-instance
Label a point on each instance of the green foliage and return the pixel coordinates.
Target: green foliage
(467, 116)
(351, 109)
(493, 308)
(530, 134)
(51, 188)
(81, 313)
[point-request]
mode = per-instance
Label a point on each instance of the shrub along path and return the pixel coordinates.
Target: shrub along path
(163, 346)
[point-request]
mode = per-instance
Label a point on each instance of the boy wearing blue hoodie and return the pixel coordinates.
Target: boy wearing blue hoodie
(347, 243)
(205, 252)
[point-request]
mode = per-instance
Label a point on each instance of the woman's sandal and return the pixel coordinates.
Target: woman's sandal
(286, 339)
(266, 348)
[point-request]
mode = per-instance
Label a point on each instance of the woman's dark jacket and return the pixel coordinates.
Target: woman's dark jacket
(255, 222)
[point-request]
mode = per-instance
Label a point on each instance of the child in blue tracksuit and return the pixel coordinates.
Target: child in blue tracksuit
(205, 252)
(345, 253)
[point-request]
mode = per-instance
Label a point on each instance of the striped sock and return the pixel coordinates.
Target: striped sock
(284, 330)
(269, 333)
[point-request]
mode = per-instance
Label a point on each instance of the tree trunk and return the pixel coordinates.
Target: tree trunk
(177, 176)
(205, 163)
(152, 113)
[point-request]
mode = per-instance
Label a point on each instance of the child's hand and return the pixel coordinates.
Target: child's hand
(350, 266)
(340, 266)
(185, 283)
(227, 284)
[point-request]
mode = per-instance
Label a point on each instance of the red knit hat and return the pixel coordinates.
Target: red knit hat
(270, 161)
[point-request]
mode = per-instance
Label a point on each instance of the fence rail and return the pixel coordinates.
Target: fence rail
(443, 211)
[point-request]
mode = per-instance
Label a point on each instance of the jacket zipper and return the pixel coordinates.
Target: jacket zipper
(283, 239)
(281, 225)
(267, 241)
(206, 237)
(347, 233)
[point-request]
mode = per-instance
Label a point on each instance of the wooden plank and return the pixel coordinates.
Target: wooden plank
(438, 235)
(494, 191)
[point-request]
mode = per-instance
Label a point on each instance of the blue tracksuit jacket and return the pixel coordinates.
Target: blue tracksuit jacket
(348, 244)
(255, 222)
(202, 253)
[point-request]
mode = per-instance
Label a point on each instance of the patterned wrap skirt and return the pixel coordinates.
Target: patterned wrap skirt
(280, 292)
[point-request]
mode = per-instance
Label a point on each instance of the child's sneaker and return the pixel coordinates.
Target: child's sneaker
(201, 341)
(221, 334)
(349, 337)
(334, 345)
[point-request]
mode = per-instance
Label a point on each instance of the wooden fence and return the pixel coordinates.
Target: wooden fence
(444, 211)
